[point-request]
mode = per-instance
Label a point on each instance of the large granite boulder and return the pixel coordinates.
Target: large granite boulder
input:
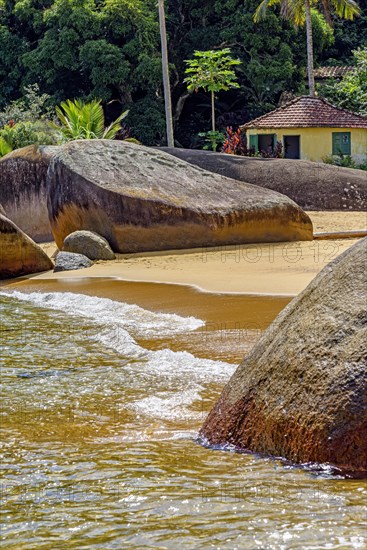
(68, 261)
(312, 185)
(23, 190)
(19, 255)
(302, 391)
(90, 244)
(142, 199)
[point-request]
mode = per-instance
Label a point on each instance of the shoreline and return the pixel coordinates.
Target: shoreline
(264, 269)
(280, 270)
(232, 323)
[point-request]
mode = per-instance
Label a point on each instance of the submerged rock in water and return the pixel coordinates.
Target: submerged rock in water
(68, 261)
(141, 199)
(312, 185)
(23, 189)
(90, 244)
(19, 255)
(302, 392)
(44, 373)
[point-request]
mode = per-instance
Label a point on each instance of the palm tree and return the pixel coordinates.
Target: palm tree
(165, 70)
(81, 120)
(299, 12)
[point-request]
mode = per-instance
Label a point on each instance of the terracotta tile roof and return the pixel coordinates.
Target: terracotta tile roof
(308, 112)
(332, 72)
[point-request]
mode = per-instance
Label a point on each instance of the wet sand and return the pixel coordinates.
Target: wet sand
(282, 269)
(236, 290)
(233, 322)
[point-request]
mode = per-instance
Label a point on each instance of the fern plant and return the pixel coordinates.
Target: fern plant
(85, 120)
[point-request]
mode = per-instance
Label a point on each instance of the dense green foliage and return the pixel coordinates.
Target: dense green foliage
(110, 50)
(351, 92)
(26, 122)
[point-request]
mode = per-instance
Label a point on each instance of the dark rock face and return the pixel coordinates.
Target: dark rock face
(141, 199)
(312, 185)
(90, 244)
(23, 190)
(19, 255)
(302, 392)
(68, 261)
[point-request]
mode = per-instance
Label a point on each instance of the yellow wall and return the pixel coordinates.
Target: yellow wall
(316, 143)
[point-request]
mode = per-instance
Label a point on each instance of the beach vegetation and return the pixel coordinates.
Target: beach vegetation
(85, 120)
(234, 142)
(21, 134)
(300, 12)
(110, 50)
(213, 139)
(5, 147)
(351, 91)
(214, 72)
(345, 161)
(26, 121)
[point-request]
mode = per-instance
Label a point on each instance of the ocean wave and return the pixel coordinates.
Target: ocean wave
(136, 320)
(176, 379)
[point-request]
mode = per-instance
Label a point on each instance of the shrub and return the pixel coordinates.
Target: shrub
(345, 161)
(32, 107)
(81, 120)
(212, 139)
(234, 143)
(5, 147)
(27, 133)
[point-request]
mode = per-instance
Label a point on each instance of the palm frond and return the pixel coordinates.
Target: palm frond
(81, 120)
(111, 131)
(346, 9)
(262, 9)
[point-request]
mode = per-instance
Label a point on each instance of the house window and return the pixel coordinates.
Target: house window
(263, 142)
(342, 143)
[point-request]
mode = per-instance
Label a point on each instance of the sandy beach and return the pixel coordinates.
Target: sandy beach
(276, 269)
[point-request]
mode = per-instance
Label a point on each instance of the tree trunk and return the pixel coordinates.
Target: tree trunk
(213, 113)
(165, 71)
(180, 105)
(310, 63)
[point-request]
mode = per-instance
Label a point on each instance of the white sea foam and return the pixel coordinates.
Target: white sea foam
(118, 325)
(136, 320)
(168, 405)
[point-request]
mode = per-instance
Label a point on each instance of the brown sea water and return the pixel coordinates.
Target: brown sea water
(104, 387)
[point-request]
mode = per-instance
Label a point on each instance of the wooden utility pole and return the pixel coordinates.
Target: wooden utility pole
(165, 71)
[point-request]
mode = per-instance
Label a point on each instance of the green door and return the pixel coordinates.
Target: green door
(342, 143)
(254, 142)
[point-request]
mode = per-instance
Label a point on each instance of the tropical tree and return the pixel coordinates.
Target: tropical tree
(299, 12)
(81, 120)
(212, 71)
